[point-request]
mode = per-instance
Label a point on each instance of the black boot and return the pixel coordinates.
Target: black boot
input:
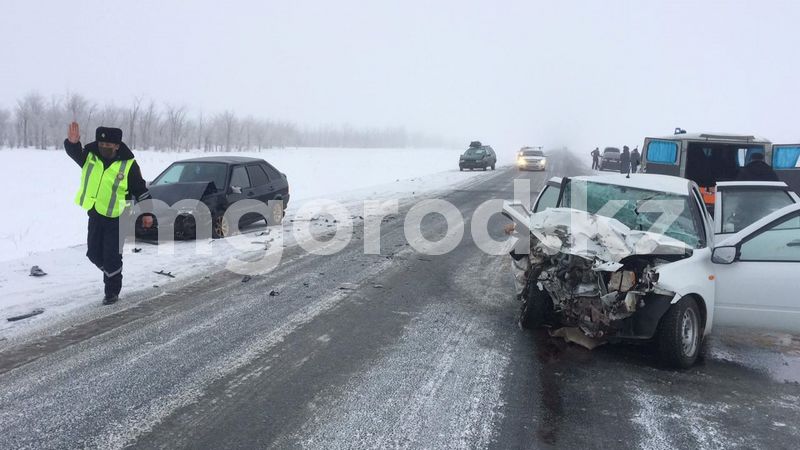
(110, 299)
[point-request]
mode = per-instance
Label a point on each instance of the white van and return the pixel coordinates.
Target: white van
(709, 158)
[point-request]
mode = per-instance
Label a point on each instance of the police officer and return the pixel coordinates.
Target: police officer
(110, 178)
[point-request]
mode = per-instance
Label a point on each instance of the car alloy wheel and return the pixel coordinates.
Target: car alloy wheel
(221, 228)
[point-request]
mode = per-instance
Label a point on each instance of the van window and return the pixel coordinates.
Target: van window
(746, 154)
(786, 157)
(662, 152)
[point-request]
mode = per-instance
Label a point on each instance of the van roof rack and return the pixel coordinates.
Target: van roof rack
(727, 137)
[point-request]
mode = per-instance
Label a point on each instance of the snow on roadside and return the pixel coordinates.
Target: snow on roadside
(44, 216)
(48, 230)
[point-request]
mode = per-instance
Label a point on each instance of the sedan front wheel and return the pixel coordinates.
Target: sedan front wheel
(680, 334)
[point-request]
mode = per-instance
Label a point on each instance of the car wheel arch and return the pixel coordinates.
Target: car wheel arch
(701, 305)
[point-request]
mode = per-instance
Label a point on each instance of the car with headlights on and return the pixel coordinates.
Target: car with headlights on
(530, 158)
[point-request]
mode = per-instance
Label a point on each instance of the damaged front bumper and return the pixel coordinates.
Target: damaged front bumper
(593, 273)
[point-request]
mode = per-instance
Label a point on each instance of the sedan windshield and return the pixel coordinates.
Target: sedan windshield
(638, 209)
(533, 153)
(184, 172)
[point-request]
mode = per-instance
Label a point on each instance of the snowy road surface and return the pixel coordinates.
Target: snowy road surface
(380, 351)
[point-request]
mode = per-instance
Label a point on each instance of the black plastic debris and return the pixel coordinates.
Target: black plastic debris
(246, 278)
(35, 312)
(166, 274)
(305, 284)
(274, 293)
(377, 286)
(36, 271)
(136, 250)
(348, 286)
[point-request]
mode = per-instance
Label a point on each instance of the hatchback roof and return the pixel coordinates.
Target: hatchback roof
(223, 159)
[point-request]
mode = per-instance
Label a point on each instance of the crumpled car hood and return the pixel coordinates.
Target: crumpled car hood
(174, 192)
(602, 239)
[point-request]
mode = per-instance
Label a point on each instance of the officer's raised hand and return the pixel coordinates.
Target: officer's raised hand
(74, 133)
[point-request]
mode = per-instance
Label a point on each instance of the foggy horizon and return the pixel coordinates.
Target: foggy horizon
(509, 74)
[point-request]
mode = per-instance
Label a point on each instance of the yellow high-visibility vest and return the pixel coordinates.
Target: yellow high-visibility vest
(104, 189)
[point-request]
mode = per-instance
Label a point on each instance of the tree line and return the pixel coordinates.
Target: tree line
(40, 122)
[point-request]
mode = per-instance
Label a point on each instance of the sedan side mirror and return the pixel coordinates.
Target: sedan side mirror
(723, 255)
(236, 189)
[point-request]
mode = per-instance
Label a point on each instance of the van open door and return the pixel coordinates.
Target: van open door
(786, 163)
(662, 156)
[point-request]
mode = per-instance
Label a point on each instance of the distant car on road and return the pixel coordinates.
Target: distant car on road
(218, 182)
(609, 160)
(477, 156)
(530, 158)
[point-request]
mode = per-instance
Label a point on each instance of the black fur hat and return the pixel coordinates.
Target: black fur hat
(105, 134)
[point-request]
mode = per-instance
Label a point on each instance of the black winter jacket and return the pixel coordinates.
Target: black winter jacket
(757, 171)
(137, 188)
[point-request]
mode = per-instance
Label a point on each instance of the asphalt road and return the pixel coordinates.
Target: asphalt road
(376, 351)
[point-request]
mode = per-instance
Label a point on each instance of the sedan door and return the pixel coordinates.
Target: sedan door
(261, 190)
(756, 274)
(737, 204)
(548, 197)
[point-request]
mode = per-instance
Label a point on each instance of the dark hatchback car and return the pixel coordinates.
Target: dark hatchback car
(610, 159)
(218, 182)
(478, 156)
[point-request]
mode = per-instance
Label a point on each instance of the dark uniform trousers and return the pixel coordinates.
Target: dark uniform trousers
(104, 250)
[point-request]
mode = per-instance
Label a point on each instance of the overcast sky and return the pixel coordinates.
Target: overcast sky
(508, 73)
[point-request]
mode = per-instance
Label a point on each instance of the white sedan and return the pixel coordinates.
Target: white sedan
(618, 258)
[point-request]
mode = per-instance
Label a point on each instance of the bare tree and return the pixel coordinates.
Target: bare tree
(132, 115)
(29, 117)
(176, 124)
(5, 134)
(54, 122)
(228, 119)
(148, 124)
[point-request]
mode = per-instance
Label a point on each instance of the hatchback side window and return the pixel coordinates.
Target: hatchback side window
(272, 172)
(257, 175)
(239, 177)
(778, 242)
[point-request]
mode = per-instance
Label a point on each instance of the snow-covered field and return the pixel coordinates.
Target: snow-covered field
(44, 227)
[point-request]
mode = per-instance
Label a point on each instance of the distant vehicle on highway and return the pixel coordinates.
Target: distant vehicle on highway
(218, 182)
(609, 160)
(531, 158)
(707, 158)
(663, 271)
(477, 156)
